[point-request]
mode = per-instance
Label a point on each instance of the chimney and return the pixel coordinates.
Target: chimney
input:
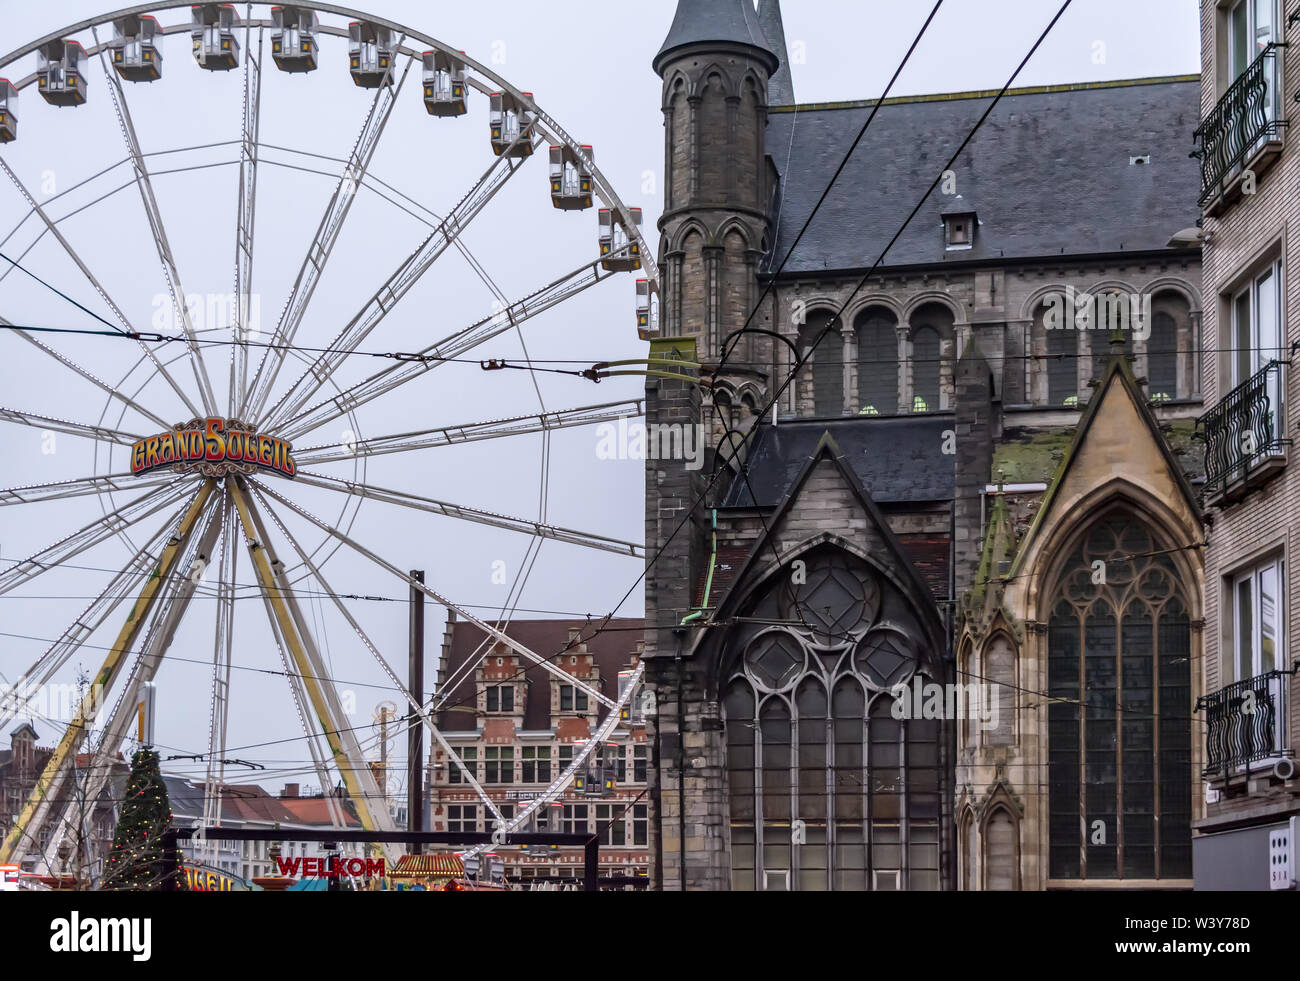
(290, 790)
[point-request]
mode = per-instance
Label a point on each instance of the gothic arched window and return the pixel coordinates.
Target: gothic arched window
(1119, 723)
(932, 327)
(877, 331)
(1062, 360)
(925, 370)
(1170, 312)
(827, 361)
(828, 788)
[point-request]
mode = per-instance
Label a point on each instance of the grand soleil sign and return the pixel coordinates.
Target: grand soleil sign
(214, 448)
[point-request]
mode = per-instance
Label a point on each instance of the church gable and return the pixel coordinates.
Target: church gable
(828, 520)
(1118, 449)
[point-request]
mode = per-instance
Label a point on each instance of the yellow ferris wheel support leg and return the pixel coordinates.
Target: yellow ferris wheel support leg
(347, 759)
(76, 732)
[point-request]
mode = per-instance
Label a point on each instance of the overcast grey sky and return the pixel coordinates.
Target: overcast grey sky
(591, 72)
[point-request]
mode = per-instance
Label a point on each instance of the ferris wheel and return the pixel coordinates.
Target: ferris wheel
(232, 455)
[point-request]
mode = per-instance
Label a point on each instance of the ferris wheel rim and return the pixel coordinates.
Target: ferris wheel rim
(602, 187)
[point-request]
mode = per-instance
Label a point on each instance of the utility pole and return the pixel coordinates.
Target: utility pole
(415, 730)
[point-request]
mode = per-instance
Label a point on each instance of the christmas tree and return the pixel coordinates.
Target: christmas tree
(135, 862)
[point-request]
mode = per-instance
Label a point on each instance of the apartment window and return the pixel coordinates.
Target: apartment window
(572, 699)
(501, 698)
(609, 820)
(1250, 31)
(469, 756)
(564, 757)
(1256, 335)
(536, 764)
(462, 817)
(1257, 619)
(499, 764)
(575, 819)
(638, 764)
(640, 824)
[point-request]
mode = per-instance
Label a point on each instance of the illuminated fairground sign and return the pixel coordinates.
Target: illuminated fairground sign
(214, 448)
(210, 880)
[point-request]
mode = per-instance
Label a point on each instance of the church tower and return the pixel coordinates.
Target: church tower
(716, 65)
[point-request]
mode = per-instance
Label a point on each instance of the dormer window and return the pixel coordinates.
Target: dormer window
(572, 699)
(501, 698)
(959, 224)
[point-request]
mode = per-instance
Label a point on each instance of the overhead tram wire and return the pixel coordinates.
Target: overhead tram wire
(799, 365)
(588, 373)
(703, 495)
(838, 172)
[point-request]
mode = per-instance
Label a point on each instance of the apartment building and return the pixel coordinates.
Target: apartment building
(1250, 172)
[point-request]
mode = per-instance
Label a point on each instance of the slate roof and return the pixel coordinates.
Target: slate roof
(1049, 169)
(612, 649)
(780, 88)
(896, 459)
(697, 21)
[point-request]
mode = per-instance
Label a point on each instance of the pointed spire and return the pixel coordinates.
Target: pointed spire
(780, 89)
(714, 21)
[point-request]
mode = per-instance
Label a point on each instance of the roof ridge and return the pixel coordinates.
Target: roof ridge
(988, 93)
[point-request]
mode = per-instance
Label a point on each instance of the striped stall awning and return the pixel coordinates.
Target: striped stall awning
(428, 867)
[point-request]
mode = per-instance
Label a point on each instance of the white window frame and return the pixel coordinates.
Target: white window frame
(1262, 349)
(1252, 575)
(1252, 8)
(772, 876)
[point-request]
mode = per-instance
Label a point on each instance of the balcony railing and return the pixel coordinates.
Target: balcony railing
(1243, 119)
(1243, 433)
(1245, 723)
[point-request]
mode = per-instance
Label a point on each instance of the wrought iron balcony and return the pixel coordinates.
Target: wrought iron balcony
(1243, 434)
(1246, 722)
(1244, 120)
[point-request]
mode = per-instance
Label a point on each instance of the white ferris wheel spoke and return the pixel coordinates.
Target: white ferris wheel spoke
(48, 788)
(565, 779)
(222, 651)
(36, 421)
(159, 230)
(464, 340)
(311, 671)
(90, 277)
(83, 487)
(398, 285)
(175, 597)
(322, 246)
(412, 699)
(98, 383)
(89, 536)
(246, 215)
(496, 634)
(525, 526)
(54, 657)
(592, 415)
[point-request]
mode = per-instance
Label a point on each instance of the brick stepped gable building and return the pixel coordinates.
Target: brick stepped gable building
(516, 730)
(21, 766)
(931, 497)
(1250, 169)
